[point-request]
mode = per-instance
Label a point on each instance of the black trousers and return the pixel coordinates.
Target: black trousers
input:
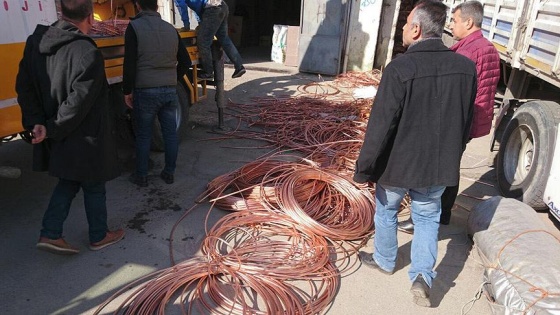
(448, 199)
(447, 202)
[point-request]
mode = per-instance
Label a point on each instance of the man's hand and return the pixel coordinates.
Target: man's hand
(128, 100)
(39, 134)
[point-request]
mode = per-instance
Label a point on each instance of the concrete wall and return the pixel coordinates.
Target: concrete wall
(363, 30)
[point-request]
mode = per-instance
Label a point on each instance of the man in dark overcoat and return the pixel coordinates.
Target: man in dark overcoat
(64, 98)
(418, 127)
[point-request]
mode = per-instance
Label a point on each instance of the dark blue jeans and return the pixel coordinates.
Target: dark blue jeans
(214, 23)
(59, 207)
(149, 103)
(183, 11)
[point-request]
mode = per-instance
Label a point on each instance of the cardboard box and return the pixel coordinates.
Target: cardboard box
(292, 47)
(235, 27)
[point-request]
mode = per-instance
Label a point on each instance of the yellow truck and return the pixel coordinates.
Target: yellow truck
(18, 21)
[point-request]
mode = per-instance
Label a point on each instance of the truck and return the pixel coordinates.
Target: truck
(527, 124)
(18, 20)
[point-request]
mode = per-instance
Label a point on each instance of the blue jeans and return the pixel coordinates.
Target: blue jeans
(426, 209)
(59, 207)
(149, 103)
(214, 23)
(184, 12)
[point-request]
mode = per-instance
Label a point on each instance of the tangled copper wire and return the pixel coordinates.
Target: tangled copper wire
(112, 27)
(294, 217)
(265, 243)
(358, 78)
(338, 87)
(254, 263)
(329, 126)
(326, 203)
(330, 133)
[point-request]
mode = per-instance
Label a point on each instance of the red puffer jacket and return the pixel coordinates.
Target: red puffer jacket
(484, 54)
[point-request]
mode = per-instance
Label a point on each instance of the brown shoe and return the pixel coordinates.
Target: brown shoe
(58, 246)
(111, 238)
(421, 292)
(367, 260)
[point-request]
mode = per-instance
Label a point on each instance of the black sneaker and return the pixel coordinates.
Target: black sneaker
(367, 259)
(141, 181)
(238, 72)
(167, 178)
(421, 292)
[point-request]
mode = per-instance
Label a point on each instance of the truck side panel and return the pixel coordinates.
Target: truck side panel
(526, 34)
(540, 49)
(10, 114)
(17, 20)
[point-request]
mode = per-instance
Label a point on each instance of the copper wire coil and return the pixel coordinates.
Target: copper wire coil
(265, 243)
(258, 261)
(340, 212)
(212, 287)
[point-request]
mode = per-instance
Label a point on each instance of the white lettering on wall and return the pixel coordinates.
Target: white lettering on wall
(18, 18)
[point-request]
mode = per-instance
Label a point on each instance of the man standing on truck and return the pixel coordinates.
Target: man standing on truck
(466, 25)
(184, 12)
(64, 99)
(154, 57)
(212, 17)
(415, 137)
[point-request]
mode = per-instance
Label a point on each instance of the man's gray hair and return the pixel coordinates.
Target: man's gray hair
(430, 15)
(76, 10)
(471, 9)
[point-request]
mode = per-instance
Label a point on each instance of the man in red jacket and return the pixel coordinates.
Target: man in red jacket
(466, 25)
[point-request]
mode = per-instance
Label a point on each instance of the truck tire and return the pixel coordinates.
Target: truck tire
(122, 114)
(182, 117)
(526, 150)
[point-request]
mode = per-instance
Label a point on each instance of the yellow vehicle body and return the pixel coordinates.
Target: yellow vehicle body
(18, 22)
(113, 51)
(10, 113)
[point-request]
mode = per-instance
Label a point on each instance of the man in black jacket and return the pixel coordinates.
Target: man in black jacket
(418, 128)
(63, 95)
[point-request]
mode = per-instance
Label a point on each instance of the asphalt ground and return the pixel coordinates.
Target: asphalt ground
(37, 282)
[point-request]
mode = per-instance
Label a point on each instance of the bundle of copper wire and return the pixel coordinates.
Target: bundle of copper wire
(260, 263)
(109, 28)
(341, 86)
(358, 78)
(266, 243)
(290, 237)
(330, 133)
(326, 203)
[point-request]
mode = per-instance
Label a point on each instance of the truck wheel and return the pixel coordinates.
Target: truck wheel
(182, 118)
(122, 114)
(526, 151)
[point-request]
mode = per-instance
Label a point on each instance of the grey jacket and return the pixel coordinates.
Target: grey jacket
(156, 63)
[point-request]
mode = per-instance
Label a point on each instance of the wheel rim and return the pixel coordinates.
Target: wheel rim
(520, 154)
